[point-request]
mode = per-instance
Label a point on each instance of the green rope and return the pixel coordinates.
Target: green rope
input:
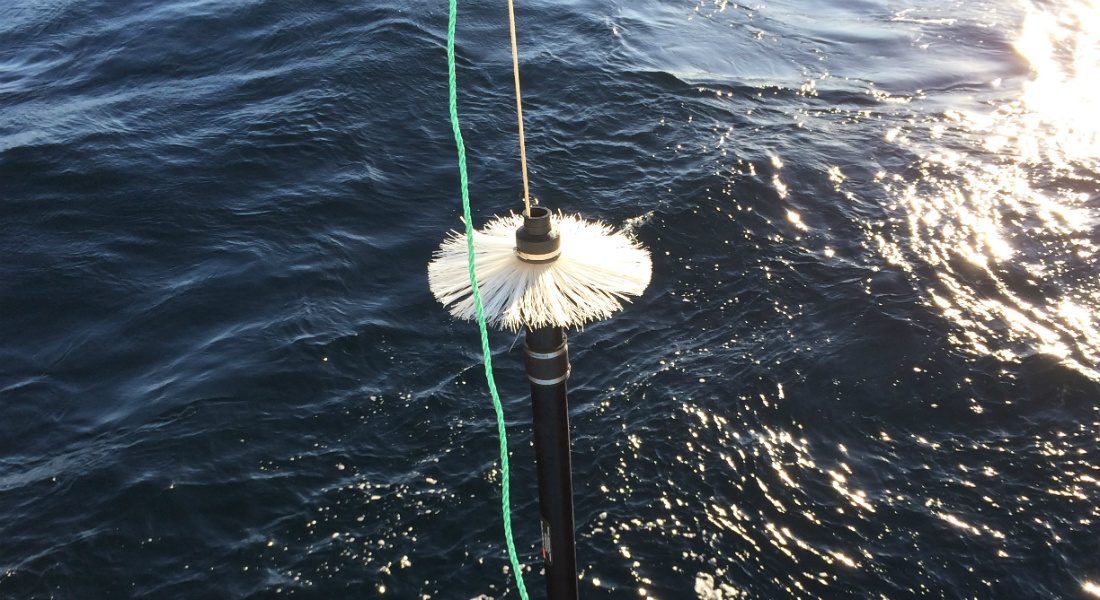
(505, 496)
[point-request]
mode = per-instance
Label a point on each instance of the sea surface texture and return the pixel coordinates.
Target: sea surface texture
(867, 366)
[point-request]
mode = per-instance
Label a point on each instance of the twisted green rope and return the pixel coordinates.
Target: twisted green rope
(505, 496)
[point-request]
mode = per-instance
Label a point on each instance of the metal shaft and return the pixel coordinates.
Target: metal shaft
(547, 361)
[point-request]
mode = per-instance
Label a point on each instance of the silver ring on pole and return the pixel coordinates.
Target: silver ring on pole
(537, 258)
(568, 371)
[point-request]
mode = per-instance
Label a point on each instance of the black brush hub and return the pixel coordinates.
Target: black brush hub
(537, 240)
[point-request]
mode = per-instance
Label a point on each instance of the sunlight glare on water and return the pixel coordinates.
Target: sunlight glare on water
(1063, 50)
(1005, 204)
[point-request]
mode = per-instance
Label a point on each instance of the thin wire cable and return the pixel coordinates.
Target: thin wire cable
(505, 500)
(519, 108)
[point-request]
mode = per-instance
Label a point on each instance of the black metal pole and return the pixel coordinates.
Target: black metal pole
(546, 356)
(547, 360)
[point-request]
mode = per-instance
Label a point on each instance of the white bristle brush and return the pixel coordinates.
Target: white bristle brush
(596, 269)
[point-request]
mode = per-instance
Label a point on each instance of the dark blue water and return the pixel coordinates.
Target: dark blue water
(867, 366)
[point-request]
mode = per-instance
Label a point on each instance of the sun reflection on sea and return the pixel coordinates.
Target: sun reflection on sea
(1063, 50)
(1006, 203)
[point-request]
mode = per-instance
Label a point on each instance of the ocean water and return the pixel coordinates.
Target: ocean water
(868, 365)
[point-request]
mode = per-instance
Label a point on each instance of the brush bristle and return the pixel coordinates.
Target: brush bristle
(597, 269)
